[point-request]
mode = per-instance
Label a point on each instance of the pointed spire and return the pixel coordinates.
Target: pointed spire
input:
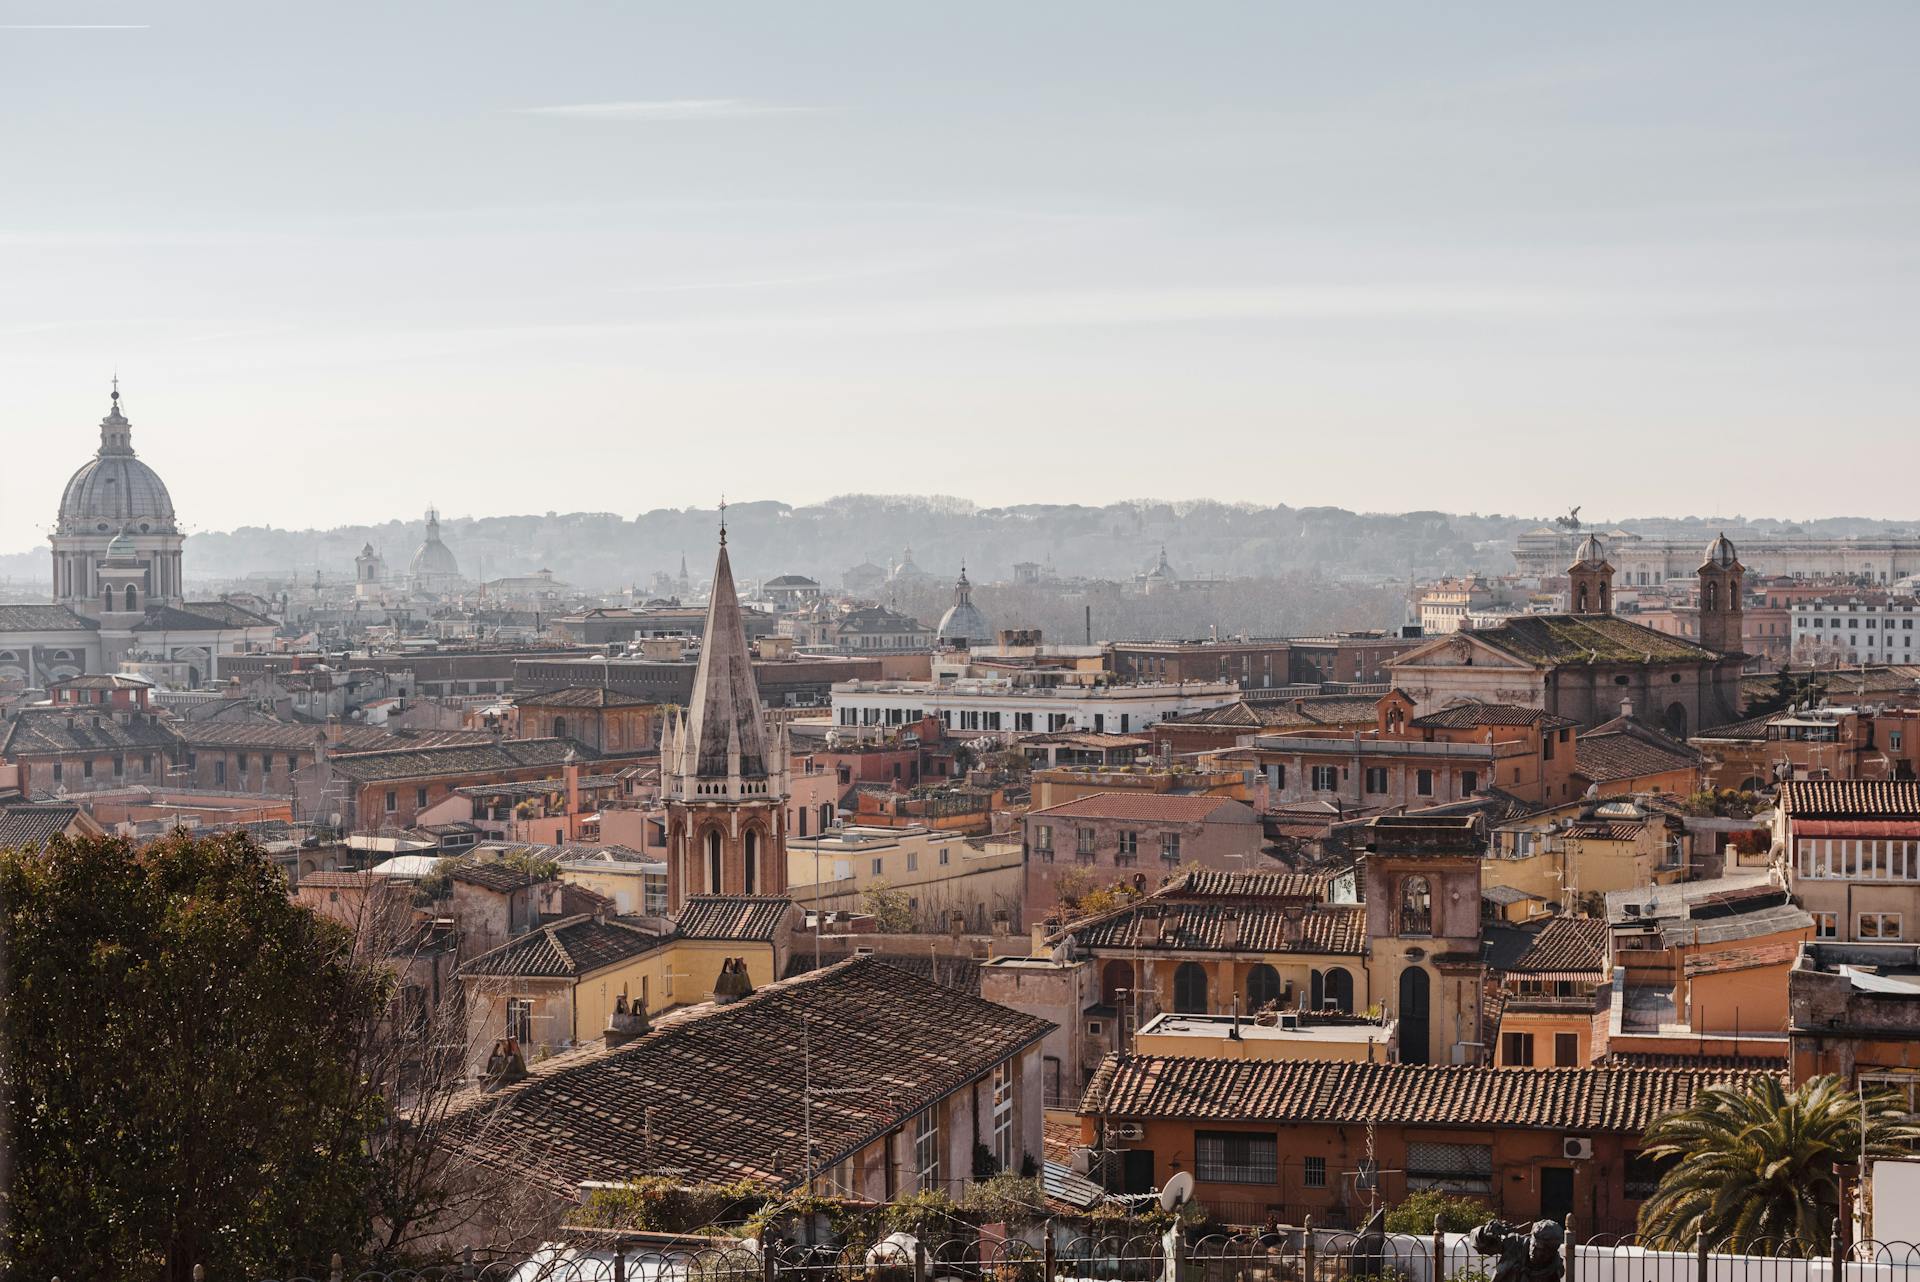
(725, 723)
(723, 520)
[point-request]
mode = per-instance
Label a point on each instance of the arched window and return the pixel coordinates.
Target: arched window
(1338, 991)
(1580, 606)
(753, 862)
(1416, 906)
(1712, 601)
(713, 861)
(106, 599)
(1263, 986)
(1415, 1020)
(559, 727)
(1114, 976)
(1190, 989)
(132, 599)
(1677, 719)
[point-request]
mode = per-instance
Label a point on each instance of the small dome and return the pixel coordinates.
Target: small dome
(434, 561)
(1720, 552)
(964, 622)
(1591, 551)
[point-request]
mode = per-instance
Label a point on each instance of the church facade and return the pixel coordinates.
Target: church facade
(1591, 665)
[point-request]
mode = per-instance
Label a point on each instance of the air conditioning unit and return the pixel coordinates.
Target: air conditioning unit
(1576, 1148)
(1127, 1131)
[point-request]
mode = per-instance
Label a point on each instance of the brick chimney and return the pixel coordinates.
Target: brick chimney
(1293, 923)
(1230, 929)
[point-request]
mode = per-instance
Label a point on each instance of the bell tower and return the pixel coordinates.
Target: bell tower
(1722, 593)
(724, 774)
(1590, 579)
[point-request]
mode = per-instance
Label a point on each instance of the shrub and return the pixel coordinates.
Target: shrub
(1457, 1214)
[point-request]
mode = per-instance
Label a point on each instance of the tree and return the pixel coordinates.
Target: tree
(179, 1066)
(891, 910)
(1753, 1163)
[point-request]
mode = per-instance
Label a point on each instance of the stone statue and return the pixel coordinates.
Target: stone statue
(1528, 1252)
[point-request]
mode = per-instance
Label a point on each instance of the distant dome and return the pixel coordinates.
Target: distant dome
(114, 490)
(1720, 552)
(434, 561)
(1591, 551)
(963, 620)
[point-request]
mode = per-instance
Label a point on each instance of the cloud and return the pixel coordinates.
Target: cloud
(669, 109)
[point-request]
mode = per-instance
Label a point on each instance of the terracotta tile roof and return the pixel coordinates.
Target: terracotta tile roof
(566, 949)
(456, 759)
(33, 826)
(1606, 829)
(1618, 1100)
(1230, 714)
(44, 731)
(1469, 716)
(1718, 1063)
(1733, 959)
(199, 616)
(717, 1092)
(1626, 749)
(1566, 945)
(342, 880)
(1278, 883)
(1152, 807)
(1204, 927)
(493, 874)
(287, 736)
(1850, 799)
(1749, 729)
(1320, 710)
(741, 917)
(961, 974)
(44, 618)
(1562, 640)
(583, 697)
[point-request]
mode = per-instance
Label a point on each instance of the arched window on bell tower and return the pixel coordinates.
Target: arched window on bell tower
(752, 886)
(713, 861)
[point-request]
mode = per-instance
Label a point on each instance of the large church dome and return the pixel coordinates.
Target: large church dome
(115, 491)
(433, 563)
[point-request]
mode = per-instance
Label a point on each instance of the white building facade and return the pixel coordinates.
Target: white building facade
(987, 705)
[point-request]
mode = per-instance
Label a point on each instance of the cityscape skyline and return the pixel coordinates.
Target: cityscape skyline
(917, 238)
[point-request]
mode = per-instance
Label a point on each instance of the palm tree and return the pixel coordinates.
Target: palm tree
(1754, 1161)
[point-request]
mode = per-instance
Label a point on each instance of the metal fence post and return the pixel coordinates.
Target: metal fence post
(920, 1270)
(1700, 1257)
(466, 1263)
(768, 1261)
(1570, 1250)
(334, 1271)
(199, 1273)
(1049, 1256)
(1838, 1255)
(1306, 1250)
(1439, 1269)
(1174, 1247)
(619, 1260)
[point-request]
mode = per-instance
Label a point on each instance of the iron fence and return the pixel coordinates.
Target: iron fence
(1132, 1253)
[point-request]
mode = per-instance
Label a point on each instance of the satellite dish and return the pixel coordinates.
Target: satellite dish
(1177, 1192)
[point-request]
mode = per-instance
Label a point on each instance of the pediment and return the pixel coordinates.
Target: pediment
(1457, 650)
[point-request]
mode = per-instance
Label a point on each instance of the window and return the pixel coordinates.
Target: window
(1228, 1157)
(419, 797)
(119, 765)
(520, 1020)
(1826, 925)
(220, 778)
(1516, 1050)
(1423, 782)
(1416, 906)
(1170, 847)
(1129, 848)
(1463, 1168)
(1376, 779)
(1313, 1172)
(1566, 1050)
(1083, 838)
(1878, 926)
(393, 798)
(1326, 778)
(293, 763)
(1003, 1115)
(944, 856)
(926, 1150)
(1043, 842)
(1469, 782)
(877, 866)
(913, 861)
(1643, 1174)
(58, 770)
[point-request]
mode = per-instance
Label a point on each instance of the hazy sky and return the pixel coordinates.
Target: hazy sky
(350, 258)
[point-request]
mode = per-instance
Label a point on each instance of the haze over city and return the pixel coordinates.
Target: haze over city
(999, 252)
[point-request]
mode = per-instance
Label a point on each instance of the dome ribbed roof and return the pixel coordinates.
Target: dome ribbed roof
(433, 559)
(1720, 552)
(115, 490)
(963, 620)
(1591, 551)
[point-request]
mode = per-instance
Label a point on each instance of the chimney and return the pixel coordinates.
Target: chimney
(1626, 708)
(1230, 929)
(733, 983)
(1293, 923)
